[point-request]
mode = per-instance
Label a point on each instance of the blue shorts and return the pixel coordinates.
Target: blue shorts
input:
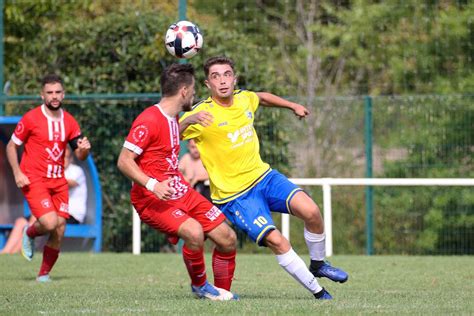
(250, 212)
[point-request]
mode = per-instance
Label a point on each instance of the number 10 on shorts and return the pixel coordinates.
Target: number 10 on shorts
(260, 221)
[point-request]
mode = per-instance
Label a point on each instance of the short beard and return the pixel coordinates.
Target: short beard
(187, 107)
(51, 108)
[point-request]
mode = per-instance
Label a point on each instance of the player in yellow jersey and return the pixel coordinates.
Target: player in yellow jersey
(246, 188)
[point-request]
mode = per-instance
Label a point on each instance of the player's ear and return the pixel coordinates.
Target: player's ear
(206, 82)
(183, 91)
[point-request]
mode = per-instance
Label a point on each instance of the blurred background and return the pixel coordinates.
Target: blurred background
(390, 88)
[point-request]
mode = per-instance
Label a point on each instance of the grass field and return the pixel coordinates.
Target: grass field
(158, 284)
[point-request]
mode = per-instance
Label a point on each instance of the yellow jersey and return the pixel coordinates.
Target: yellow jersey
(229, 148)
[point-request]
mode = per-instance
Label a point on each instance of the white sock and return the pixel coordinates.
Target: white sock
(316, 245)
(296, 267)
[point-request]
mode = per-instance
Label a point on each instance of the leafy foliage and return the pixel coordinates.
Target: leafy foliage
(300, 49)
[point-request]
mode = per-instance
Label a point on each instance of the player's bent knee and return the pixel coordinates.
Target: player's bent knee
(191, 232)
(277, 242)
(49, 221)
(310, 213)
(50, 225)
(227, 241)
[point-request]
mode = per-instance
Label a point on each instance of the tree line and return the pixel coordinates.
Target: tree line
(299, 49)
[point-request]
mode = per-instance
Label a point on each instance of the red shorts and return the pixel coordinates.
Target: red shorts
(44, 196)
(167, 216)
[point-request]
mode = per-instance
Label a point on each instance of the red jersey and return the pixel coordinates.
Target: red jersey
(45, 139)
(154, 137)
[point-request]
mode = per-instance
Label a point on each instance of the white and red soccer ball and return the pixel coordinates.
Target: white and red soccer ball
(183, 39)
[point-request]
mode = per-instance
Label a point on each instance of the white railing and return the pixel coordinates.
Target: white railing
(326, 184)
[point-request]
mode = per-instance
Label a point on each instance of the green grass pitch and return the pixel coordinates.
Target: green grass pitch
(111, 283)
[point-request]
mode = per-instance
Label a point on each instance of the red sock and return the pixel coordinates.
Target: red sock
(50, 255)
(194, 261)
(223, 266)
(31, 231)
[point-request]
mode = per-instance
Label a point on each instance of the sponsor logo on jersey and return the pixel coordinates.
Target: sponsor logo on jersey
(213, 213)
(140, 133)
(245, 133)
(178, 213)
(55, 154)
(46, 203)
(233, 136)
(63, 207)
(223, 124)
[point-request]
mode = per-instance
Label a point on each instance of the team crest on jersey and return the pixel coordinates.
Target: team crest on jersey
(140, 133)
(20, 128)
(178, 213)
(46, 203)
(213, 213)
(55, 154)
(56, 135)
(249, 114)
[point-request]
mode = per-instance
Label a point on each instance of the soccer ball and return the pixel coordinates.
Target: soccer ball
(183, 39)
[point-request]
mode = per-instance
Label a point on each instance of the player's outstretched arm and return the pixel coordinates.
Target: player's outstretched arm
(21, 179)
(269, 99)
(83, 148)
(127, 165)
(203, 117)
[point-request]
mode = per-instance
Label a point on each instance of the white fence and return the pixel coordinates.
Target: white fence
(326, 184)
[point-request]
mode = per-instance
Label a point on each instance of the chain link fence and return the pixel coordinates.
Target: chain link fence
(413, 136)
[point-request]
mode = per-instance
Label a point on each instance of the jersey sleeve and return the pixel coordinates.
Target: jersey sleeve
(192, 131)
(140, 135)
(254, 101)
(22, 130)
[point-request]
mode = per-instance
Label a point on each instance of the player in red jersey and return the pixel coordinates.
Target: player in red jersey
(45, 131)
(161, 196)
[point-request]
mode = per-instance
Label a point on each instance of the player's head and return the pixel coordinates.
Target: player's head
(52, 91)
(177, 80)
(220, 76)
(193, 150)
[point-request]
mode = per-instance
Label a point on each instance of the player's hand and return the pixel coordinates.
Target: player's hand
(21, 180)
(163, 191)
(301, 111)
(83, 143)
(203, 117)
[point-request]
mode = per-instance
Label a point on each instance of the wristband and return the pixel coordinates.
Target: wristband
(150, 185)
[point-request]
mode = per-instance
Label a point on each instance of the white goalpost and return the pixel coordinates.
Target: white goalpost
(326, 184)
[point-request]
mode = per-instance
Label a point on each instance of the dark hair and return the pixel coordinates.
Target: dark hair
(174, 77)
(51, 78)
(218, 60)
